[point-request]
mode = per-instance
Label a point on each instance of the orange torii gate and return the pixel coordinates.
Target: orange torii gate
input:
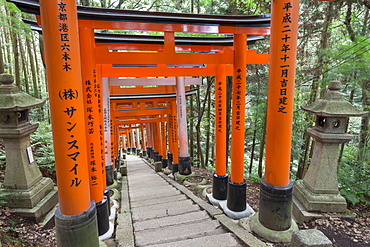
(208, 70)
(129, 103)
(62, 53)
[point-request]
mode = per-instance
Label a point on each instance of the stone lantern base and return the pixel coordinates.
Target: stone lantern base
(308, 205)
(33, 203)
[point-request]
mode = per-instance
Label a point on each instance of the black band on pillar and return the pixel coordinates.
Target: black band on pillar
(275, 208)
(219, 186)
(237, 196)
(184, 165)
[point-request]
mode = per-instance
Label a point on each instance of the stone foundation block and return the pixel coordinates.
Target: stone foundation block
(310, 238)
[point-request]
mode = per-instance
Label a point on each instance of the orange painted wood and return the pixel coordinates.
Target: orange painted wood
(144, 90)
(62, 57)
(132, 137)
(103, 56)
(143, 142)
(189, 28)
(128, 138)
(134, 113)
(173, 128)
(114, 143)
(238, 109)
(123, 140)
(220, 120)
(181, 117)
(101, 123)
(92, 114)
(157, 137)
(284, 26)
(163, 70)
(144, 81)
(138, 146)
(163, 140)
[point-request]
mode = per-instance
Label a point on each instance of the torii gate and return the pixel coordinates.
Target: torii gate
(135, 105)
(140, 82)
(67, 106)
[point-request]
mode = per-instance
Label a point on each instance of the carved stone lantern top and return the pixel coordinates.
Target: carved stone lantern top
(333, 105)
(11, 99)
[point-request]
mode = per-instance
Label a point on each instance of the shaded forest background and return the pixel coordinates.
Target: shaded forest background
(333, 44)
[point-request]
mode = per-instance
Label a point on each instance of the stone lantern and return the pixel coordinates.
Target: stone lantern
(25, 190)
(318, 192)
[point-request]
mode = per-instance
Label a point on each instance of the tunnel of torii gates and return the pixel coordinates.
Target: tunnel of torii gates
(148, 114)
(79, 71)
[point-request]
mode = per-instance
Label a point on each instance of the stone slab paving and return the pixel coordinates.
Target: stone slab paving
(163, 216)
(153, 201)
(220, 240)
(163, 210)
(171, 221)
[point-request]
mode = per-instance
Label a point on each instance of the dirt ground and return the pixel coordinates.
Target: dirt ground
(344, 232)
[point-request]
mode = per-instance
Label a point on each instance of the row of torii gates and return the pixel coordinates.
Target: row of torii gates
(90, 109)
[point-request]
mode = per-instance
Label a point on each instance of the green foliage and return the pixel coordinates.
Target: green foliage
(2, 157)
(42, 141)
(350, 61)
(252, 7)
(14, 23)
(3, 195)
(354, 175)
(254, 177)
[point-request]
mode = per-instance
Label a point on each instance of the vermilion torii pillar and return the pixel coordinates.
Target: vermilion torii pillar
(127, 138)
(124, 141)
(75, 217)
(149, 134)
(220, 177)
(173, 138)
(93, 111)
(276, 188)
(163, 142)
(236, 206)
(143, 142)
(107, 131)
(157, 137)
(137, 139)
(184, 157)
(133, 147)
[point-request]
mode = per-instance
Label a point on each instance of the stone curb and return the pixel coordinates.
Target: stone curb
(243, 235)
(125, 230)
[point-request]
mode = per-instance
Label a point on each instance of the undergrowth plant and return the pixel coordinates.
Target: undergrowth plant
(354, 175)
(2, 157)
(42, 142)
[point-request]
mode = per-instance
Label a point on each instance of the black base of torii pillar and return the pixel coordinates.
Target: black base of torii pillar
(77, 230)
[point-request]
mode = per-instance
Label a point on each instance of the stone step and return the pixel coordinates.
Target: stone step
(220, 240)
(142, 176)
(171, 220)
(163, 209)
(153, 194)
(164, 199)
(150, 182)
(147, 190)
(178, 232)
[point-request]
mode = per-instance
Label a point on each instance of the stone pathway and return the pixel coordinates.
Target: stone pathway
(163, 216)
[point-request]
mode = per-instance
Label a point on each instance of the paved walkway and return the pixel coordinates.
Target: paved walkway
(161, 212)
